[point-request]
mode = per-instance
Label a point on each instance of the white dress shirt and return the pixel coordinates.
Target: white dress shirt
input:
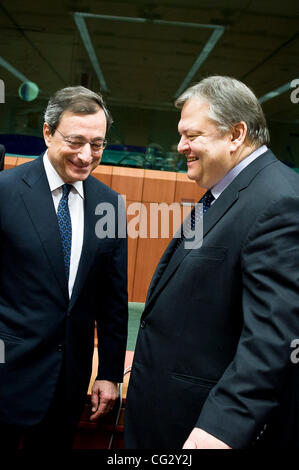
(76, 207)
(231, 175)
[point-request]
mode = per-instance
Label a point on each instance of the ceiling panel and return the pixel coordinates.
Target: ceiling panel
(145, 64)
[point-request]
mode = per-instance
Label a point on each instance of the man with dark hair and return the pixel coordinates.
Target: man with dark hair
(213, 361)
(57, 278)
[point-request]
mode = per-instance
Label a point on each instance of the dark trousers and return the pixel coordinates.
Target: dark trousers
(56, 431)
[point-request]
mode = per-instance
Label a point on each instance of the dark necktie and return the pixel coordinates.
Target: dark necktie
(206, 201)
(65, 226)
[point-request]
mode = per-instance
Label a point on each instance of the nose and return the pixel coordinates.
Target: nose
(183, 145)
(85, 153)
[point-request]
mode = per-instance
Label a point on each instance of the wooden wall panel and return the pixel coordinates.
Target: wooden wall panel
(133, 219)
(158, 186)
(22, 160)
(10, 162)
(103, 173)
(149, 252)
(128, 181)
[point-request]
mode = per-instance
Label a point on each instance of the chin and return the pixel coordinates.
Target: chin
(192, 176)
(77, 176)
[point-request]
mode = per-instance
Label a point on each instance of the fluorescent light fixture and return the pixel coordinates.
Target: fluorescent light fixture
(13, 71)
(80, 22)
(276, 92)
(215, 36)
(79, 19)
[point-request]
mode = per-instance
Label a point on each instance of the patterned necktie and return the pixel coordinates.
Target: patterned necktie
(65, 226)
(206, 202)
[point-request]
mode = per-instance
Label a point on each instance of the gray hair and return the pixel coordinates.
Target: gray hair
(78, 100)
(231, 101)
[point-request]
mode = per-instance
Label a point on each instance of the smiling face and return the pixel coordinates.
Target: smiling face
(210, 154)
(75, 165)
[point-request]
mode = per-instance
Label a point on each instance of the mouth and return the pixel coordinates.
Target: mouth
(80, 167)
(191, 159)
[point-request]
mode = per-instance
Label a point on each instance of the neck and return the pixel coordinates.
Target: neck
(243, 152)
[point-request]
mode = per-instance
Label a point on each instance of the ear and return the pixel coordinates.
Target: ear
(238, 135)
(47, 134)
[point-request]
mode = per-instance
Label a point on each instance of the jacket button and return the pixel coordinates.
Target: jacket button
(143, 323)
(59, 347)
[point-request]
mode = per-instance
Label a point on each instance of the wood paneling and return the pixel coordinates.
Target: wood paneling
(133, 220)
(128, 181)
(22, 160)
(103, 173)
(149, 251)
(158, 186)
(10, 162)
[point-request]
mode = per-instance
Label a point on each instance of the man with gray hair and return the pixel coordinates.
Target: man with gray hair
(57, 279)
(212, 365)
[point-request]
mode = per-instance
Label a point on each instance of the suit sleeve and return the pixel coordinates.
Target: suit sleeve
(244, 398)
(112, 324)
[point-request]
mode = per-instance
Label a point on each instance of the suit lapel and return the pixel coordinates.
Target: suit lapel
(171, 260)
(163, 263)
(214, 214)
(38, 201)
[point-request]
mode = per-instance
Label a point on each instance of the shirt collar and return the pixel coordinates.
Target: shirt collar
(231, 175)
(55, 180)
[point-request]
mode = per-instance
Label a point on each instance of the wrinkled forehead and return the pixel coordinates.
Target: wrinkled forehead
(76, 121)
(70, 114)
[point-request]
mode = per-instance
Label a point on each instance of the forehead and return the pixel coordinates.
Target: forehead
(194, 115)
(78, 123)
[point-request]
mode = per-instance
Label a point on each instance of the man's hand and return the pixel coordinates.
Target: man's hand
(200, 439)
(103, 396)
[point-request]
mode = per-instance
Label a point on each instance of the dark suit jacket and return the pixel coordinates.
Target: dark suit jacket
(38, 323)
(213, 350)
